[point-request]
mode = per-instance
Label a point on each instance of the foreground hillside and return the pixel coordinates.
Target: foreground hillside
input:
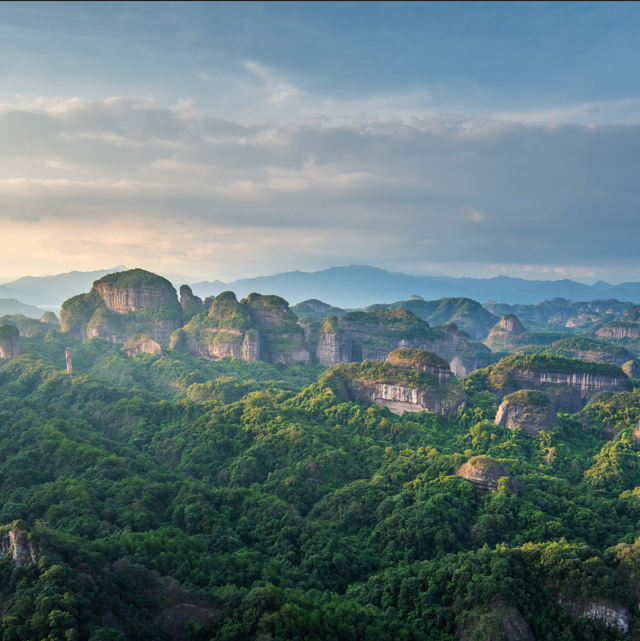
(166, 496)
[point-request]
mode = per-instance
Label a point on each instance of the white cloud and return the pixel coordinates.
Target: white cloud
(182, 185)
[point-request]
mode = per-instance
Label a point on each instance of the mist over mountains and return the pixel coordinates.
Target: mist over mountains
(350, 287)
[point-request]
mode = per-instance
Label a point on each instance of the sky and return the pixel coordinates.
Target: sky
(230, 140)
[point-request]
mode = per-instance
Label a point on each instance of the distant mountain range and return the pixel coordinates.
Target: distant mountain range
(359, 286)
(348, 287)
(13, 306)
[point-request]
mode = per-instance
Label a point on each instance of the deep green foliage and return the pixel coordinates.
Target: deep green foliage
(528, 397)
(246, 489)
(9, 331)
(546, 363)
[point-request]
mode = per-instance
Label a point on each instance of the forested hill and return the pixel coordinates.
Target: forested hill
(165, 496)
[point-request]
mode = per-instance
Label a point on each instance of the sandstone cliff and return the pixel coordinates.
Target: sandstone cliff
(626, 327)
(485, 473)
(142, 344)
(374, 335)
(509, 331)
(613, 615)
(226, 330)
(529, 410)
(569, 382)
(9, 341)
(401, 388)
(191, 304)
(587, 349)
(282, 340)
(15, 540)
(631, 368)
(121, 305)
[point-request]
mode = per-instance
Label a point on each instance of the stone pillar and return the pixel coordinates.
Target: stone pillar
(67, 353)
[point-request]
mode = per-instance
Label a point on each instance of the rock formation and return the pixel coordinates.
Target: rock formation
(613, 615)
(69, 357)
(16, 541)
(626, 327)
(403, 385)
(569, 382)
(497, 623)
(508, 332)
(227, 330)
(282, 340)
(9, 341)
(142, 343)
(123, 304)
(361, 336)
(191, 304)
(587, 349)
(50, 318)
(529, 410)
(631, 368)
(485, 472)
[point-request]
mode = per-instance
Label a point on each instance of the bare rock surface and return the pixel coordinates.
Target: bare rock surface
(485, 472)
(142, 345)
(498, 623)
(613, 615)
(529, 410)
(9, 341)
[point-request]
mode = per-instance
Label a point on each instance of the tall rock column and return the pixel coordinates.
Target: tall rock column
(67, 353)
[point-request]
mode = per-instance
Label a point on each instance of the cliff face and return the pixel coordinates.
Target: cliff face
(508, 332)
(528, 410)
(9, 341)
(226, 330)
(484, 472)
(121, 305)
(191, 304)
(17, 542)
(401, 385)
(497, 623)
(142, 344)
(361, 336)
(586, 349)
(282, 339)
(134, 291)
(613, 615)
(626, 327)
(567, 382)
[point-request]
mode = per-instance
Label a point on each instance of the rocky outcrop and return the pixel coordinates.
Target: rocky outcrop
(134, 291)
(329, 349)
(50, 318)
(282, 340)
(626, 327)
(142, 344)
(190, 303)
(16, 541)
(9, 341)
(68, 354)
(507, 332)
(121, 305)
(529, 410)
(568, 382)
(397, 388)
(485, 473)
(590, 350)
(422, 361)
(631, 368)
(497, 623)
(366, 336)
(613, 615)
(227, 330)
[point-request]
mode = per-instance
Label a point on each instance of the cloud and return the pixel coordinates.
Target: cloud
(184, 186)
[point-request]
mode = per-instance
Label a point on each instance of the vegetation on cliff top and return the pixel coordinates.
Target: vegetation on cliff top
(133, 278)
(584, 344)
(377, 372)
(547, 363)
(528, 397)
(406, 356)
(9, 332)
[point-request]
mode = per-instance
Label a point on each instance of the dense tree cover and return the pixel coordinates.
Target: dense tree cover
(247, 489)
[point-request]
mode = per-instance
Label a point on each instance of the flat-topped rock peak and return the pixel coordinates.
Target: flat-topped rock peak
(398, 388)
(134, 291)
(421, 360)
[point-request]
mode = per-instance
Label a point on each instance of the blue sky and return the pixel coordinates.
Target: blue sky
(236, 139)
